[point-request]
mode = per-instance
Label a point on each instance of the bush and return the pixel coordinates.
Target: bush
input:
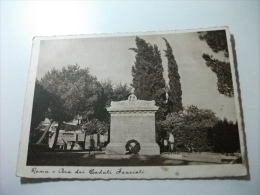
(190, 129)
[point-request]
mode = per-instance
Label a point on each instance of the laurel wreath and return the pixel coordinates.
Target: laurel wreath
(133, 146)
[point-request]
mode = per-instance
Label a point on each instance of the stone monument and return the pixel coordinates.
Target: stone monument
(132, 120)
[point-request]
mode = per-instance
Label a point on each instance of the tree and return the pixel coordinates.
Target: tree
(190, 128)
(121, 92)
(95, 126)
(46, 130)
(224, 137)
(45, 105)
(223, 72)
(108, 90)
(148, 71)
(41, 104)
(64, 94)
(175, 92)
(216, 40)
(78, 93)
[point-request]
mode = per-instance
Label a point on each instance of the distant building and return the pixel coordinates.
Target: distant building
(72, 137)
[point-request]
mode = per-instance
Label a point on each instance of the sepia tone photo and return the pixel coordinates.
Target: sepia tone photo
(154, 105)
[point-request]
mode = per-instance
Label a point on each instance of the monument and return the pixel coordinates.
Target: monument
(132, 127)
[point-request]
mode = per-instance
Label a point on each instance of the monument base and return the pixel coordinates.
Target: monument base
(146, 148)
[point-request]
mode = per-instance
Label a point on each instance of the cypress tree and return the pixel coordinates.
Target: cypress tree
(148, 71)
(175, 92)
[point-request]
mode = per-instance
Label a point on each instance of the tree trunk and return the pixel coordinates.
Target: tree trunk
(44, 134)
(108, 136)
(56, 136)
(84, 145)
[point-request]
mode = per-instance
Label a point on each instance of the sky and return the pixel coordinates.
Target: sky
(110, 57)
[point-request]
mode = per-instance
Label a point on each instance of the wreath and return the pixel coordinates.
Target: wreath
(132, 147)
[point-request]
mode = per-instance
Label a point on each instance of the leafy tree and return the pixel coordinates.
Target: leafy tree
(79, 94)
(95, 126)
(45, 105)
(121, 92)
(148, 70)
(115, 93)
(190, 128)
(216, 40)
(108, 90)
(79, 91)
(41, 104)
(224, 137)
(175, 92)
(223, 72)
(58, 113)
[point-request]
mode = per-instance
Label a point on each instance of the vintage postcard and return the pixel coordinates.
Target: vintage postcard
(157, 105)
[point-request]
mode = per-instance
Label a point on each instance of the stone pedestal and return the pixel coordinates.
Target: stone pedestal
(132, 119)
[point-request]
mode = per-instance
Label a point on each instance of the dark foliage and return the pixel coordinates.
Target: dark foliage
(224, 137)
(79, 92)
(148, 71)
(121, 92)
(223, 72)
(95, 126)
(175, 92)
(216, 40)
(64, 94)
(41, 103)
(45, 104)
(115, 93)
(189, 128)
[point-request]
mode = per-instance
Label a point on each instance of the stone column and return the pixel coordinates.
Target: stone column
(132, 119)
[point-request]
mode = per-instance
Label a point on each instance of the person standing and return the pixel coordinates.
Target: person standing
(171, 142)
(165, 145)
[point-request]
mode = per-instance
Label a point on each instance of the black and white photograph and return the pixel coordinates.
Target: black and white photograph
(133, 106)
(130, 97)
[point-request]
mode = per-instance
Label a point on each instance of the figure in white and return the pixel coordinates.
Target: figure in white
(171, 142)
